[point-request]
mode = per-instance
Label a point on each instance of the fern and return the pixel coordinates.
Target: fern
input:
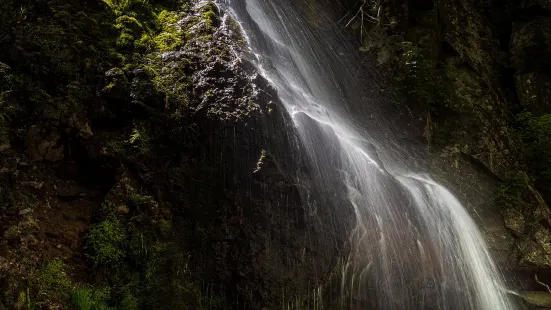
(135, 136)
(119, 6)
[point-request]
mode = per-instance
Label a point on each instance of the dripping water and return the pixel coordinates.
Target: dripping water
(414, 246)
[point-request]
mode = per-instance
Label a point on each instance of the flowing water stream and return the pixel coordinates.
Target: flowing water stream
(414, 245)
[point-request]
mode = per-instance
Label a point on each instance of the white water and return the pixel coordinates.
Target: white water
(414, 245)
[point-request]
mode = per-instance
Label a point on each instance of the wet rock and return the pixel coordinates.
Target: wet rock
(122, 209)
(537, 298)
(25, 211)
(33, 184)
(81, 125)
(515, 221)
(4, 147)
(535, 249)
(471, 34)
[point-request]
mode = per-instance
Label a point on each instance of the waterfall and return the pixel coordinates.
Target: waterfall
(414, 246)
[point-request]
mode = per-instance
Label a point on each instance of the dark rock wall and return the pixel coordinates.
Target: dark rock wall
(178, 182)
(471, 79)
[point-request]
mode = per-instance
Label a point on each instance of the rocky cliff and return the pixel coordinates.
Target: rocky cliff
(471, 81)
(145, 164)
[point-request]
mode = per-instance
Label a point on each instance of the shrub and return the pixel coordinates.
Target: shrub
(105, 242)
(53, 278)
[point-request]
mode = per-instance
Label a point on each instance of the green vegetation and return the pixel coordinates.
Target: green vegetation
(105, 242)
(142, 258)
(140, 140)
(87, 298)
(53, 279)
(535, 133)
(419, 78)
(110, 67)
(50, 285)
(171, 36)
(24, 300)
(509, 194)
(208, 13)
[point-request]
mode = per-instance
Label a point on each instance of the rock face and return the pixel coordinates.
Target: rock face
(530, 51)
(474, 77)
(177, 183)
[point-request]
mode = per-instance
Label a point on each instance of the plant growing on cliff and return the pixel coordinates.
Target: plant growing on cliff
(88, 298)
(140, 140)
(419, 77)
(120, 6)
(105, 242)
(54, 279)
(509, 194)
(534, 131)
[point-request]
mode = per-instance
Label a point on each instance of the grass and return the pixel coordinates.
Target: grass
(87, 298)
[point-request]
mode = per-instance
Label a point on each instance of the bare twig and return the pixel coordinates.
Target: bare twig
(541, 283)
(361, 13)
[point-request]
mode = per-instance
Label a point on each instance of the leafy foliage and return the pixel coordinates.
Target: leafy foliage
(54, 279)
(105, 242)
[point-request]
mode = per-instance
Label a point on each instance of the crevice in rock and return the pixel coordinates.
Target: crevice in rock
(447, 51)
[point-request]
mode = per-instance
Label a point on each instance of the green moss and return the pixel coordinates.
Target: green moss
(209, 17)
(208, 11)
(128, 22)
(171, 35)
(145, 42)
(120, 6)
(125, 41)
(115, 146)
(105, 242)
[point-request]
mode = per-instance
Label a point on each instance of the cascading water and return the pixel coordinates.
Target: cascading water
(414, 245)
